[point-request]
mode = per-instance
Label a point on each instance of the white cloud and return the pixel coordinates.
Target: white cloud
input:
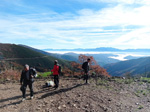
(88, 26)
(138, 38)
(145, 2)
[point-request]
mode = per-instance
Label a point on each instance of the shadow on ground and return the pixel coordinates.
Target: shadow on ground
(60, 91)
(38, 92)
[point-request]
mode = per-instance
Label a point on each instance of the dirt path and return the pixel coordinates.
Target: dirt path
(75, 96)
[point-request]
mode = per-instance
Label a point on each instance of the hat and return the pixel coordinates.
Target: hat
(56, 61)
(26, 66)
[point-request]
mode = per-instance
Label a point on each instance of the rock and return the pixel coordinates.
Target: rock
(8, 79)
(79, 95)
(64, 106)
(86, 106)
(93, 110)
(45, 102)
(43, 105)
(67, 95)
(40, 105)
(68, 103)
(75, 105)
(104, 108)
(51, 100)
(148, 100)
(118, 105)
(38, 108)
(86, 111)
(15, 107)
(59, 108)
(76, 101)
(109, 99)
(48, 110)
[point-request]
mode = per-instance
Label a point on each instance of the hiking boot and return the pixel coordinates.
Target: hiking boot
(23, 99)
(55, 87)
(31, 97)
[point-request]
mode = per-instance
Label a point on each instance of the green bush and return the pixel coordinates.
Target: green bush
(45, 74)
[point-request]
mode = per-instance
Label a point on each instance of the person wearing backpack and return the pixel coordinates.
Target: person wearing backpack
(27, 79)
(85, 67)
(56, 72)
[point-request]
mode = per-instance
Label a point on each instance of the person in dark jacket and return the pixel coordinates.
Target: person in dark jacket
(27, 78)
(55, 71)
(85, 67)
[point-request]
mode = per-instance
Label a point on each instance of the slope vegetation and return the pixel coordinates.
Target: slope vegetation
(15, 54)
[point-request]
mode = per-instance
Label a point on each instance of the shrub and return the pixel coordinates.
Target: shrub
(10, 75)
(45, 74)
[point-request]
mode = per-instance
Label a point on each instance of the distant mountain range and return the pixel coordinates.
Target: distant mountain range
(133, 67)
(102, 59)
(18, 55)
(101, 49)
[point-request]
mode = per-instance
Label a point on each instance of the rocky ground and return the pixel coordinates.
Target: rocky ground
(118, 95)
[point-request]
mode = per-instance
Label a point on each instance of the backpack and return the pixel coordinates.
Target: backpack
(84, 65)
(33, 72)
(59, 71)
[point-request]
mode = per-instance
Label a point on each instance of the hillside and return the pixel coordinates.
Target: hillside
(67, 56)
(134, 66)
(115, 95)
(16, 55)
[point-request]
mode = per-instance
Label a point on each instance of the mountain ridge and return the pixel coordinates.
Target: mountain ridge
(102, 49)
(132, 67)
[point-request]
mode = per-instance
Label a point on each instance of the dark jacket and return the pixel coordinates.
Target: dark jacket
(26, 75)
(85, 66)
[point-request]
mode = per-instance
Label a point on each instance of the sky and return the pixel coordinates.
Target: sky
(69, 24)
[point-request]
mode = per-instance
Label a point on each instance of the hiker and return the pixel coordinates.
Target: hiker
(27, 78)
(56, 73)
(85, 67)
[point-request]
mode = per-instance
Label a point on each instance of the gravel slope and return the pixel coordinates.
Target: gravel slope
(75, 96)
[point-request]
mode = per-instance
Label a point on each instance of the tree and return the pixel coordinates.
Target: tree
(76, 69)
(66, 71)
(83, 58)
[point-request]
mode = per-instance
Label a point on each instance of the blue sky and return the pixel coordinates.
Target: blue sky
(76, 23)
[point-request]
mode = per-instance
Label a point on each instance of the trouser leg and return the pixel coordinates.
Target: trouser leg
(86, 77)
(56, 80)
(24, 90)
(31, 88)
